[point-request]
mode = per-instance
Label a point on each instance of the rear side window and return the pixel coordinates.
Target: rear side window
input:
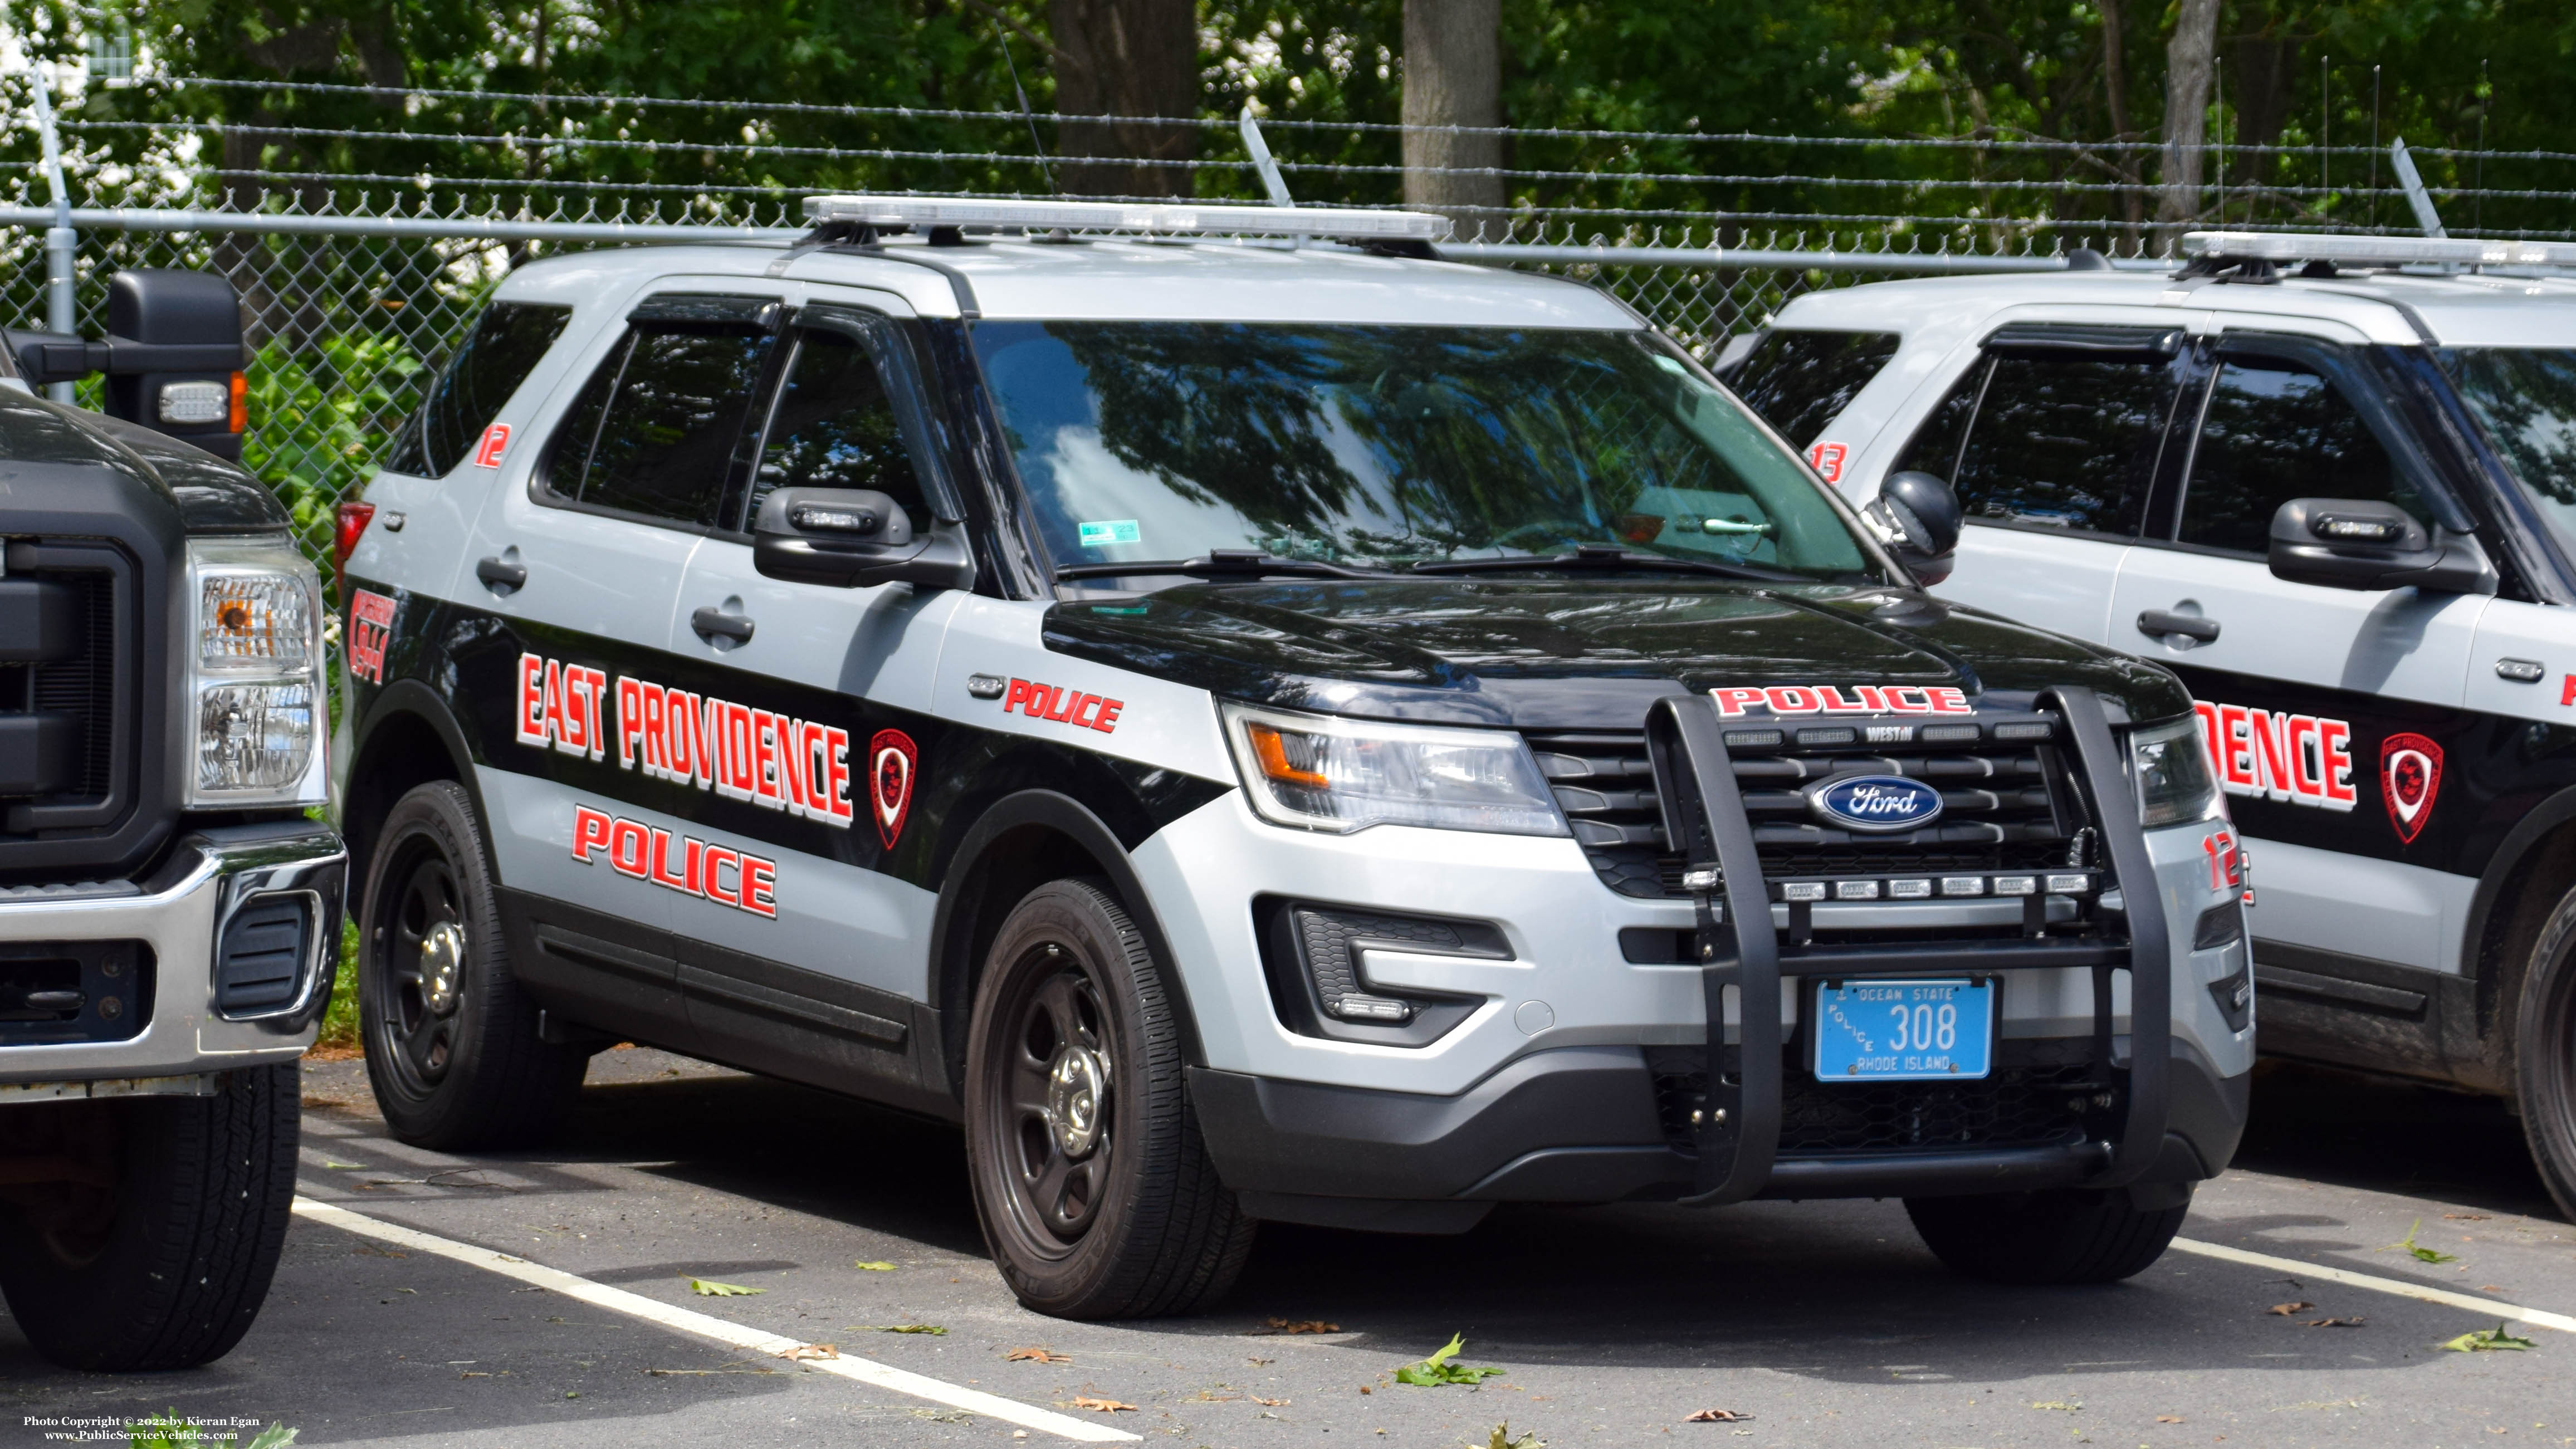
(498, 355)
(2051, 440)
(1801, 381)
(2276, 430)
(654, 430)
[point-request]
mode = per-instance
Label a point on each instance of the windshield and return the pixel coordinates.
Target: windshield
(2526, 397)
(1380, 447)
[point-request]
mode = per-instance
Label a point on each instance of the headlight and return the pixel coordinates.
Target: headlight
(2170, 762)
(1342, 775)
(255, 716)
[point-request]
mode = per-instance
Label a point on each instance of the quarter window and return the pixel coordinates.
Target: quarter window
(504, 347)
(834, 426)
(2276, 430)
(654, 430)
(1801, 381)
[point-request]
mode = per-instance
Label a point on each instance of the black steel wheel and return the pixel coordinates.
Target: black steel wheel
(2545, 1053)
(451, 1041)
(1095, 1192)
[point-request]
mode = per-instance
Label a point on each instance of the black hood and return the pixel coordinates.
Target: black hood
(1578, 653)
(205, 493)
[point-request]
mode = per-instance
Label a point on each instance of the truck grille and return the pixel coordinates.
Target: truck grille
(2004, 806)
(67, 614)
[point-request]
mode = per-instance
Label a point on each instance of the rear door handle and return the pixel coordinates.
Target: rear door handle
(500, 575)
(2160, 622)
(714, 623)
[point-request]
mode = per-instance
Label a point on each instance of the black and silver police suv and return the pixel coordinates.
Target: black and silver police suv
(169, 915)
(1255, 731)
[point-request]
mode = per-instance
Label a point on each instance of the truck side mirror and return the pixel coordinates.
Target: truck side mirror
(850, 538)
(1918, 517)
(173, 356)
(2351, 543)
(174, 344)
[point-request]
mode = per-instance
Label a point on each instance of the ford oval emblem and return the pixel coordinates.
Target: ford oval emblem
(1875, 803)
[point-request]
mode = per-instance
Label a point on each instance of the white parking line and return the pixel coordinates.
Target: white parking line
(732, 1335)
(2483, 1307)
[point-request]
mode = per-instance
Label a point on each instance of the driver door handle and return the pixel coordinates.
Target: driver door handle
(2160, 622)
(499, 574)
(713, 623)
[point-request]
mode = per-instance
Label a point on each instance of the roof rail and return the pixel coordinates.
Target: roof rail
(894, 213)
(2374, 251)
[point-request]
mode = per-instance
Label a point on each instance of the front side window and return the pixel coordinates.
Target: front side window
(1801, 381)
(2525, 398)
(654, 431)
(2276, 430)
(1383, 446)
(834, 426)
(497, 356)
(2051, 439)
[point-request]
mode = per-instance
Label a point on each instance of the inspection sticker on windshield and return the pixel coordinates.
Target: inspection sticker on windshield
(1108, 531)
(1899, 1031)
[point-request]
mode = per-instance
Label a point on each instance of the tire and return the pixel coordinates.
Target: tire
(166, 1268)
(2055, 1237)
(2545, 1054)
(451, 1041)
(1094, 1189)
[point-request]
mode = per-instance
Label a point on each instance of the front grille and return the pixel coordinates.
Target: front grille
(65, 613)
(2004, 807)
(2034, 1102)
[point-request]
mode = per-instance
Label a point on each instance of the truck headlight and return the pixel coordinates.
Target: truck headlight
(255, 718)
(2170, 762)
(1322, 773)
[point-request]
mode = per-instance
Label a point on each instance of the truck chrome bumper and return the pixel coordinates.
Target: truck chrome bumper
(177, 915)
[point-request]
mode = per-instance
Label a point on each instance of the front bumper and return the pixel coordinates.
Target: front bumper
(176, 916)
(1581, 1125)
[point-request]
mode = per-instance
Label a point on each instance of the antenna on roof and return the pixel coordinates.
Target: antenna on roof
(1045, 167)
(2416, 196)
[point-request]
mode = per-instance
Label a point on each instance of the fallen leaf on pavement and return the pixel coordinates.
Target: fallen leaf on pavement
(2481, 1340)
(810, 1350)
(1437, 1369)
(1270, 1403)
(875, 1267)
(2168, 1418)
(1299, 1325)
(2286, 1309)
(2421, 1255)
(2355, 1321)
(1101, 1406)
(2068, 1406)
(710, 1288)
(344, 1166)
(1717, 1416)
(1036, 1355)
(1504, 1438)
(896, 1328)
(2491, 1288)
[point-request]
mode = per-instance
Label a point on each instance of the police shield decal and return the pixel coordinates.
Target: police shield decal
(892, 761)
(2410, 779)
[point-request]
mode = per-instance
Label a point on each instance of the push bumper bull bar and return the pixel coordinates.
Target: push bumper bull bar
(1737, 1136)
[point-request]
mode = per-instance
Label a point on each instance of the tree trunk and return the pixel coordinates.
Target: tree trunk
(2187, 63)
(1453, 76)
(1125, 58)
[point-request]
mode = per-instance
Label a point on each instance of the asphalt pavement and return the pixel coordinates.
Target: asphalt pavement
(1812, 1323)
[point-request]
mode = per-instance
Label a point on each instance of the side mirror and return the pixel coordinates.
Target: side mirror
(852, 538)
(1918, 518)
(2350, 543)
(173, 356)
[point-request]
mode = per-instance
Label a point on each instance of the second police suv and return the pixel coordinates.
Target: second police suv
(1284, 729)
(2331, 482)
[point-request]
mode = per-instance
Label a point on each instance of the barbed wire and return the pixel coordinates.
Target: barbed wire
(2022, 142)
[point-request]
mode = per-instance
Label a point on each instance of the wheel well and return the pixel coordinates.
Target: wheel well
(1004, 864)
(401, 752)
(2538, 877)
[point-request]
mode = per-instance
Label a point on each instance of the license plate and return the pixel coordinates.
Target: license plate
(1903, 1031)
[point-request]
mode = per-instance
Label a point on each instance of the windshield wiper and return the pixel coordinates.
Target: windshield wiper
(1605, 556)
(1224, 563)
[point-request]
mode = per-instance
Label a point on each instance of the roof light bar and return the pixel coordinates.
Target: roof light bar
(2376, 251)
(1157, 217)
